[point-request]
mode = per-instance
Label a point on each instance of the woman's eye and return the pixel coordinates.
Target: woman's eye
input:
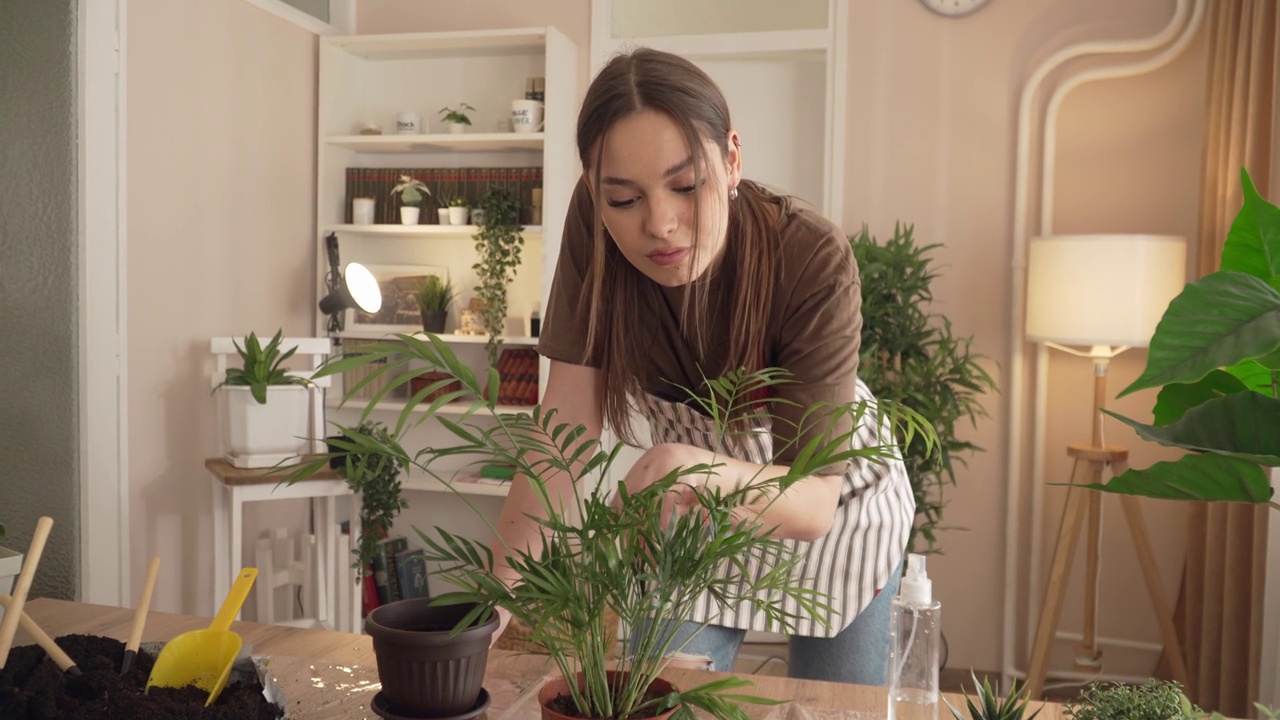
(687, 189)
(621, 203)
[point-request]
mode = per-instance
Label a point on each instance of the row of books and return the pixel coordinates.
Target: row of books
(398, 572)
(518, 377)
(445, 184)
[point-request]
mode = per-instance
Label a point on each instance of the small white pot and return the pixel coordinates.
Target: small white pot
(409, 214)
(456, 128)
(256, 435)
(458, 215)
(442, 214)
(10, 566)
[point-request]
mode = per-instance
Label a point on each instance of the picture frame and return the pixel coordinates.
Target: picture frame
(399, 312)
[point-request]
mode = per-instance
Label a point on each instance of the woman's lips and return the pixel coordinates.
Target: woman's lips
(669, 257)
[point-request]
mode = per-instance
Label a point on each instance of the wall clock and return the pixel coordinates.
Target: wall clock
(955, 8)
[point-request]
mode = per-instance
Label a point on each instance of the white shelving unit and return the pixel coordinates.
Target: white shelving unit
(371, 78)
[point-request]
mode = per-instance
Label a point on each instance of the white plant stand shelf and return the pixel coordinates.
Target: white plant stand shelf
(10, 566)
(462, 485)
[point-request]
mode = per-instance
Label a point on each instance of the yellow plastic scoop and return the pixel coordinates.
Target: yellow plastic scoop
(204, 657)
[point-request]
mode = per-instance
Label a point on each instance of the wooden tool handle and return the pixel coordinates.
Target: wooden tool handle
(144, 604)
(46, 643)
(9, 626)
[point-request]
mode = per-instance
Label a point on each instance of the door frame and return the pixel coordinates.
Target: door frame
(102, 407)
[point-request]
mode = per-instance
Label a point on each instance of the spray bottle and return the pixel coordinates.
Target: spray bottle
(914, 636)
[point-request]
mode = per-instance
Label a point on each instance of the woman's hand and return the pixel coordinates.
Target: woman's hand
(658, 461)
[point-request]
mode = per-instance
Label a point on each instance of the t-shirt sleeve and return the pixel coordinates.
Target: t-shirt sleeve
(564, 325)
(819, 340)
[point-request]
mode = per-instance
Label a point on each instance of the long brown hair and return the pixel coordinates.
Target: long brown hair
(651, 80)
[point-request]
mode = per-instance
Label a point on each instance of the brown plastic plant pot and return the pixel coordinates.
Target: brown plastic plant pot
(559, 686)
(426, 673)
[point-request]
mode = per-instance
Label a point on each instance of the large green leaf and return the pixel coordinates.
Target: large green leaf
(1194, 477)
(1175, 399)
(1214, 322)
(1253, 243)
(1244, 425)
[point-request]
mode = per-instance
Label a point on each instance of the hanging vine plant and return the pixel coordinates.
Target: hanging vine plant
(498, 243)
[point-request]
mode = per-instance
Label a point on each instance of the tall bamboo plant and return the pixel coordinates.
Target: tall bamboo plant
(1215, 356)
(605, 547)
(910, 355)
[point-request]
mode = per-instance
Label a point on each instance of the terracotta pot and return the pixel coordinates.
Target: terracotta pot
(425, 672)
(559, 686)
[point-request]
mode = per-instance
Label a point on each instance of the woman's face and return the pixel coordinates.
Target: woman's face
(647, 194)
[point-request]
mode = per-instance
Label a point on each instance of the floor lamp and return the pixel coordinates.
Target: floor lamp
(1106, 293)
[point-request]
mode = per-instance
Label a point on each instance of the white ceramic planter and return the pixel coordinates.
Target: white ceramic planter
(456, 128)
(10, 566)
(409, 214)
(458, 215)
(442, 215)
(256, 435)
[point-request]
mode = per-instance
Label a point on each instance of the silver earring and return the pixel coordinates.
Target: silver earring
(733, 193)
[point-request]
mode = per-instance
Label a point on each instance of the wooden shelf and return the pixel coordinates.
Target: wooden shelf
(439, 142)
(451, 338)
(417, 230)
(464, 485)
(409, 46)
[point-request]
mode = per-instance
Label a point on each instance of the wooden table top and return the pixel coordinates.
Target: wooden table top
(330, 675)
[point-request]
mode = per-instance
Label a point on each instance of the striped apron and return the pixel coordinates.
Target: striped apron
(868, 534)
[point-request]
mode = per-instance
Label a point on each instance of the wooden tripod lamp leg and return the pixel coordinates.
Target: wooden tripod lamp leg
(1088, 655)
(1063, 555)
(1150, 573)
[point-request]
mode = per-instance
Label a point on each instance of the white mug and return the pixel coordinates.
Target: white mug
(526, 116)
(362, 211)
(408, 122)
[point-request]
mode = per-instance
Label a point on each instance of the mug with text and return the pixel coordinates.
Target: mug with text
(526, 116)
(408, 122)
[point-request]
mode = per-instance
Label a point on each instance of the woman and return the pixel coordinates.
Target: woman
(674, 268)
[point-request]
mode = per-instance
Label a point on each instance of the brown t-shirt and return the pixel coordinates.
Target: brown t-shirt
(813, 329)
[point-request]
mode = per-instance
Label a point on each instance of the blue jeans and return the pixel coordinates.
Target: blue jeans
(858, 654)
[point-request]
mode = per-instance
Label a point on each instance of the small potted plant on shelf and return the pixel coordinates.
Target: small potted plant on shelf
(411, 191)
(265, 408)
(434, 298)
(615, 552)
(458, 210)
(456, 118)
(498, 244)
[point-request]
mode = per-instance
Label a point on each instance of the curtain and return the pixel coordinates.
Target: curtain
(1219, 611)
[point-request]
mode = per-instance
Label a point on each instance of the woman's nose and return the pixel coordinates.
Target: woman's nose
(661, 221)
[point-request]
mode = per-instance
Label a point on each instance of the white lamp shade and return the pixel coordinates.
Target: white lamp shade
(1102, 289)
(363, 287)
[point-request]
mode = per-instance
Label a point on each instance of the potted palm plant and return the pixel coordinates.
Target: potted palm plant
(265, 408)
(612, 552)
(434, 298)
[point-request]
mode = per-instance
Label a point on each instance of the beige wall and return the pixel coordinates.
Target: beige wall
(221, 160)
(220, 229)
(932, 117)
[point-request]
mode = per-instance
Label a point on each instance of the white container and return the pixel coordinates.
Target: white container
(256, 435)
(408, 122)
(10, 566)
(456, 128)
(362, 211)
(458, 215)
(915, 631)
(409, 214)
(526, 116)
(442, 215)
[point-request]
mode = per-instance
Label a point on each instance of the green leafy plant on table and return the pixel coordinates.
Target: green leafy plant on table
(457, 115)
(1215, 356)
(262, 367)
(605, 547)
(375, 477)
(910, 355)
(991, 706)
(411, 190)
(499, 240)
